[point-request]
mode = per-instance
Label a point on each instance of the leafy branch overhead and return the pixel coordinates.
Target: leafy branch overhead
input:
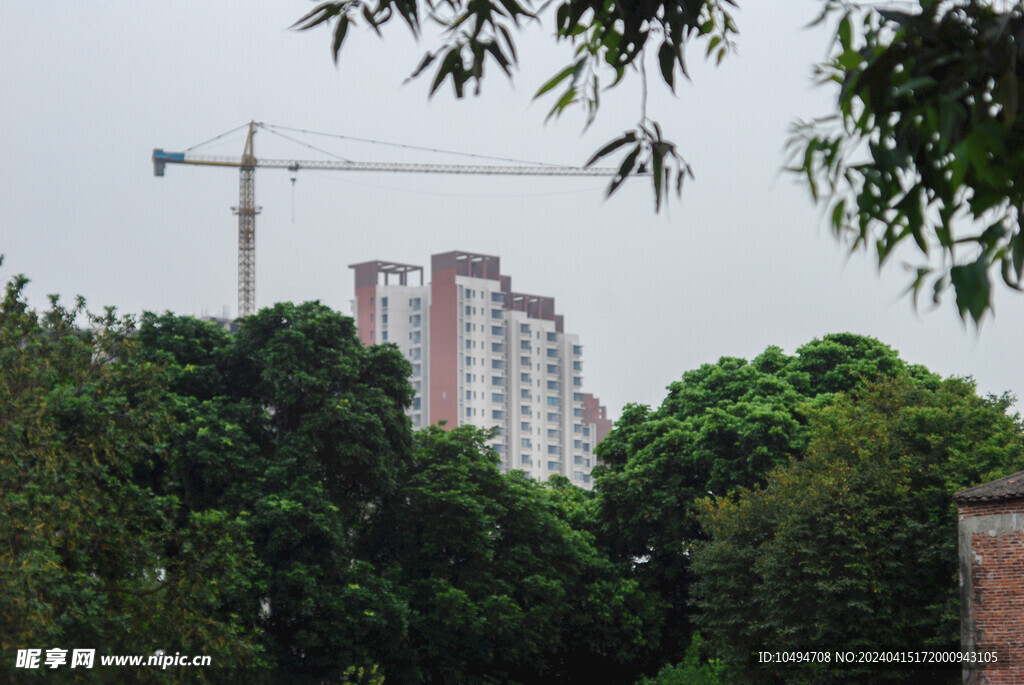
(609, 38)
(927, 144)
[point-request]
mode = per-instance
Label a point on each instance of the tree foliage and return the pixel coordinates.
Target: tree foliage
(854, 545)
(927, 146)
(293, 422)
(721, 427)
(91, 555)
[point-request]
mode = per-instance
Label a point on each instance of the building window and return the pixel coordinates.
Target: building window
(415, 304)
(469, 343)
(577, 366)
(469, 377)
(577, 428)
(524, 394)
(415, 354)
(524, 344)
(469, 310)
(577, 412)
(497, 414)
(497, 364)
(586, 431)
(525, 361)
(552, 352)
(415, 404)
(525, 459)
(577, 460)
(525, 426)
(524, 378)
(525, 410)
(497, 347)
(524, 328)
(553, 401)
(467, 326)
(415, 370)
(554, 466)
(498, 397)
(469, 411)
(577, 381)
(577, 350)
(497, 330)
(552, 336)
(525, 442)
(415, 337)
(384, 302)
(415, 320)
(577, 397)
(498, 297)
(554, 434)
(554, 418)
(495, 313)
(384, 319)
(498, 447)
(497, 380)
(577, 444)
(553, 368)
(384, 336)
(469, 360)
(552, 385)
(586, 448)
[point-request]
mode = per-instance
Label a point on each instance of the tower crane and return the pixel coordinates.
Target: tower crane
(247, 210)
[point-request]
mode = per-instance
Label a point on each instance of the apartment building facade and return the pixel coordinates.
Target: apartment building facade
(485, 355)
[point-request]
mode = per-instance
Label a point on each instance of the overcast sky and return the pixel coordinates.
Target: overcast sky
(741, 262)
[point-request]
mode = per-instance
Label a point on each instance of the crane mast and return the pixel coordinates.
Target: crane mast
(247, 209)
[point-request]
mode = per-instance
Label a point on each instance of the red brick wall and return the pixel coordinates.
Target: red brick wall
(991, 508)
(996, 586)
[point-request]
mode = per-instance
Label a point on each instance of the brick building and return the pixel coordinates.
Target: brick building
(991, 542)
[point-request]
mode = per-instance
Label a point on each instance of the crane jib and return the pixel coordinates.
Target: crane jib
(161, 158)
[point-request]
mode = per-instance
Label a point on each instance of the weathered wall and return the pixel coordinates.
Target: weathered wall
(991, 541)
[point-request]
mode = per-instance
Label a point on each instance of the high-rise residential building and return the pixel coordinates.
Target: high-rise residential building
(485, 355)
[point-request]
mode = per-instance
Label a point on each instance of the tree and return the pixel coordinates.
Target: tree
(721, 427)
(853, 546)
(91, 556)
(500, 587)
(931, 96)
(294, 423)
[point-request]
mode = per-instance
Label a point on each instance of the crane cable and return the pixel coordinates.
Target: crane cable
(474, 155)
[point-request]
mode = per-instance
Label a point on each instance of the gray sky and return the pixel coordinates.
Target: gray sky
(743, 261)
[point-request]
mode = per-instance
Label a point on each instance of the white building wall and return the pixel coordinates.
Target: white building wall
(403, 319)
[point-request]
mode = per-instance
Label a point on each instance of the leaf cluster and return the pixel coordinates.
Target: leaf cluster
(927, 147)
(610, 38)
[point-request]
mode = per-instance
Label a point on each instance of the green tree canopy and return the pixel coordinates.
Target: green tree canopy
(90, 554)
(294, 423)
(721, 427)
(854, 546)
(501, 587)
